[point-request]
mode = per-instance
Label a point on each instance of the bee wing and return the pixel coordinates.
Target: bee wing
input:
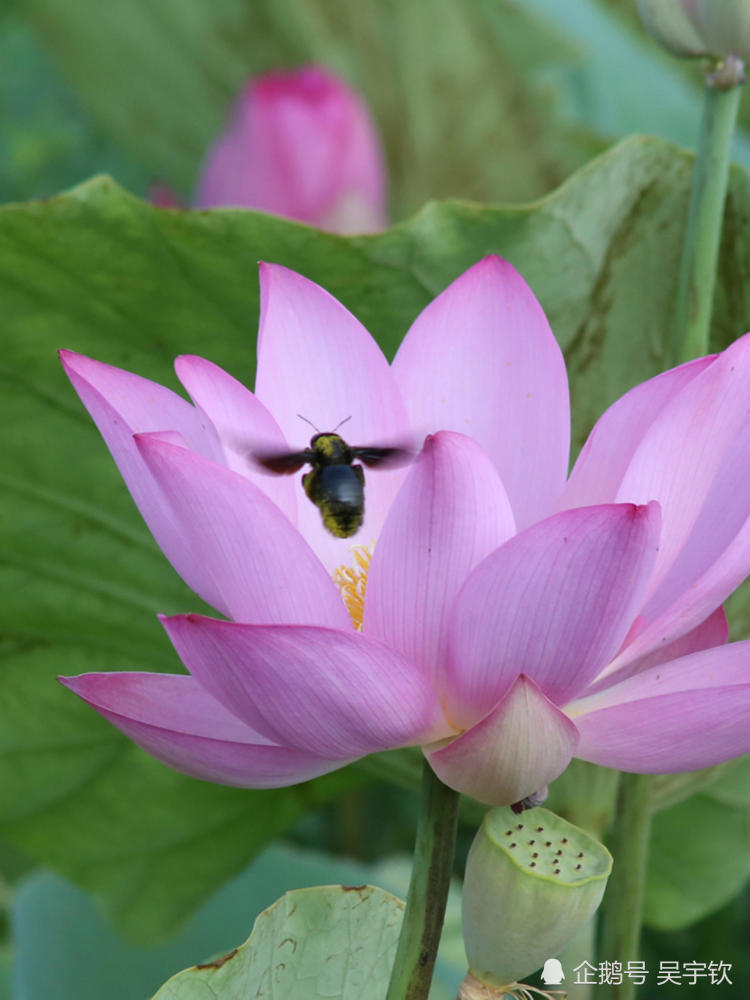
(385, 457)
(285, 462)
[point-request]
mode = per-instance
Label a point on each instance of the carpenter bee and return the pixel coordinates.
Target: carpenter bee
(334, 483)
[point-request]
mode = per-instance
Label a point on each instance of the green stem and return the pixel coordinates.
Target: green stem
(700, 250)
(623, 900)
(428, 891)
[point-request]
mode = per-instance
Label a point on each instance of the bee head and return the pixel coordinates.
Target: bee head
(331, 449)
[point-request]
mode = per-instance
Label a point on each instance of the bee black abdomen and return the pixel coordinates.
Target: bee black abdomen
(341, 520)
(338, 493)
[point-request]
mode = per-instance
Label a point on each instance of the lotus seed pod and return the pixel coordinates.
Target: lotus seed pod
(670, 23)
(531, 883)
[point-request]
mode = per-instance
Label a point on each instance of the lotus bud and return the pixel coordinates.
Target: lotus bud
(725, 29)
(669, 22)
(716, 28)
(532, 881)
(301, 144)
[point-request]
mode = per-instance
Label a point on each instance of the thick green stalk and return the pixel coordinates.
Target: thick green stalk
(700, 250)
(623, 900)
(428, 891)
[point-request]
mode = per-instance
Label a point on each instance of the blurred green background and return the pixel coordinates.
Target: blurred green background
(487, 100)
(484, 99)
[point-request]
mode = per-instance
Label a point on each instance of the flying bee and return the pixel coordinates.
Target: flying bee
(334, 483)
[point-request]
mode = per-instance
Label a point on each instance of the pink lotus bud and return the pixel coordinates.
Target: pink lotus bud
(300, 143)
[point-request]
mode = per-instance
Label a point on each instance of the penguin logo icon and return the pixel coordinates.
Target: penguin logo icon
(552, 973)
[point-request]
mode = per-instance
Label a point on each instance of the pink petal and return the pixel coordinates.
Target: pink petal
(553, 603)
(612, 443)
(120, 404)
(243, 424)
(714, 631)
(300, 143)
(175, 720)
(169, 437)
(246, 549)
(678, 459)
(331, 693)
(691, 713)
(524, 743)
(138, 402)
(693, 606)
(724, 512)
(481, 359)
(317, 360)
(450, 513)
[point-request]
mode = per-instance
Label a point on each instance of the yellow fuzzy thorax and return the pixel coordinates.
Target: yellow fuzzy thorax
(330, 446)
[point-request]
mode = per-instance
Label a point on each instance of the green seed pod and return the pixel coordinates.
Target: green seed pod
(532, 881)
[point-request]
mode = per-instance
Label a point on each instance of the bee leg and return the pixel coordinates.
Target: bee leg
(308, 484)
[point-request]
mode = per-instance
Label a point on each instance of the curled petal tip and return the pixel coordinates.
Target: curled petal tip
(69, 358)
(492, 260)
(167, 620)
(146, 441)
(75, 683)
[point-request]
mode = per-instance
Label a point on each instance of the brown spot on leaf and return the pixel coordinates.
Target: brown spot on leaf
(217, 963)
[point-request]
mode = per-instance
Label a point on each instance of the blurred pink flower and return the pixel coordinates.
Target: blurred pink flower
(511, 619)
(302, 144)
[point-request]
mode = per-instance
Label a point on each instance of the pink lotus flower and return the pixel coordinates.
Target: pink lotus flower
(511, 619)
(301, 144)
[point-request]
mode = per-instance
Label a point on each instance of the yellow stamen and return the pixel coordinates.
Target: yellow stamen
(352, 582)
